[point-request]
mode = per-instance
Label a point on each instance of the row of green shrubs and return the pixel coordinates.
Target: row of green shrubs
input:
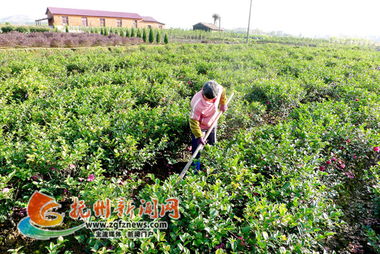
(24, 29)
(147, 34)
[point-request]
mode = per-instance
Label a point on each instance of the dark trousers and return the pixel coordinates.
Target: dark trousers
(211, 140)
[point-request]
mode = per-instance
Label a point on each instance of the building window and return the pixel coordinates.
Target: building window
(102, 22)
(65, 20)
(84, 21)
(135, 24)
(160, 27)
(119, 23)
(149, 26)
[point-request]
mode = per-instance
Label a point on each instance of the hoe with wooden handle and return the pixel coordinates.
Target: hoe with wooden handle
(200, 146)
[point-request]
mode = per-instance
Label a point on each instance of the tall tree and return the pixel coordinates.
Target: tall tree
(216, 17)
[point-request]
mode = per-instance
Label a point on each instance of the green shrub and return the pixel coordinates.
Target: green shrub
(22, 29)
(7, 29)
(144, 36)
(289, 176)
(151, 36)
(158, 37)
(39, 29)
(281, 96)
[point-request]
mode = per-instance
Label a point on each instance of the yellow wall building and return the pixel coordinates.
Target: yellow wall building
(61, 17)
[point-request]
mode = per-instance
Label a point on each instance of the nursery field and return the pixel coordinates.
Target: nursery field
(295, 170)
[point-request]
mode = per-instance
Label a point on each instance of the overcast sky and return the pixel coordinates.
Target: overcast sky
(307, 17)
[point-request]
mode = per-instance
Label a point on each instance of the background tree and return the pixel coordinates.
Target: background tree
(216, 17)
(166, 39)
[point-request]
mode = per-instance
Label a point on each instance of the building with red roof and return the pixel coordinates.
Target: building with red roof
(61, 17)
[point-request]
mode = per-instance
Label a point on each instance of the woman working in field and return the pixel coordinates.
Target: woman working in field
(204, 110)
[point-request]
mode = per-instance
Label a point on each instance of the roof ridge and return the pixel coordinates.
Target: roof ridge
(88, 12)
(64, 8)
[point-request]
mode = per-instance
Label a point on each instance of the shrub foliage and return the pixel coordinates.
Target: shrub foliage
(296, 168)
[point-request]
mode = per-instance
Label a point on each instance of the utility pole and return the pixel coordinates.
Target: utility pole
(249, 20)
(220, 31)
